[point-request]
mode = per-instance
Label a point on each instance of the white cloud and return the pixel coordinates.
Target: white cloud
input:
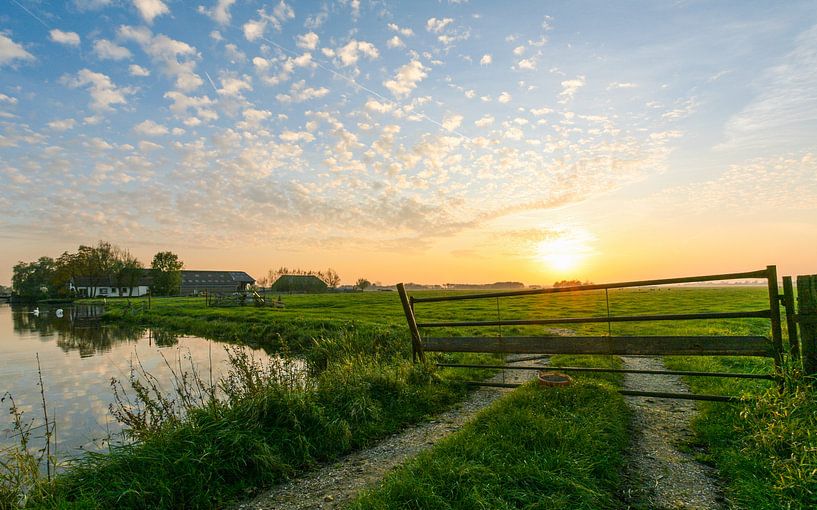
(62, 125)
(66, 38)
(255, 29)
(407, 32)
(540, 111)
(296, 136)
(10, 51)
(107, 50)
(437, 25)
(299, 93)
(308, 41)
(395, 42)
(220, 13)
(103, 91)
(254, 116)
(234, 85)
(350, 53)
(177, 58)
(150, 128)
(527, 64)
(137, 70)
(486, 59)
(569, 88)
(150, 9)
(504, 97)
(519, 50)
(470, 93)
(7, 99)
(621, 85)
(484, 121)
(452, 122)
(376, 106)
(406, 79)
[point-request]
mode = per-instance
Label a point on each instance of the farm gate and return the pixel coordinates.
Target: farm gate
(657, 345)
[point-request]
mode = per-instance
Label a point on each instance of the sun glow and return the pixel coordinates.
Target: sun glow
(566, 252)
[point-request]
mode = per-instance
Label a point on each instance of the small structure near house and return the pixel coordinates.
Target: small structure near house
(196, 282)
(299, 283)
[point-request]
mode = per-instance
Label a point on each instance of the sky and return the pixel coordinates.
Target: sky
(429, 141)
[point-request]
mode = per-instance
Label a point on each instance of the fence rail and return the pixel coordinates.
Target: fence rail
(721, 345)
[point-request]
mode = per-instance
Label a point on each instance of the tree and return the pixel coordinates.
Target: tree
(128, 272)
(363, 283)
(34, 279)
(331, 278)
(166, 269)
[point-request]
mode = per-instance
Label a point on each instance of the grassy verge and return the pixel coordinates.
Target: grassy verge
(535, 448)
(765, 449)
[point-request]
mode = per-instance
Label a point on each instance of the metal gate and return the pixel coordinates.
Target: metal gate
(658, 345)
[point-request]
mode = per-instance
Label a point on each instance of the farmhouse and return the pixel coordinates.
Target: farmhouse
(299, 283)
(107, 286)
(195, 282)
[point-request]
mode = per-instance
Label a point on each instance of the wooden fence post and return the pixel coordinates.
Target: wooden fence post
(807, 317)
(791, 319)
(408, 309)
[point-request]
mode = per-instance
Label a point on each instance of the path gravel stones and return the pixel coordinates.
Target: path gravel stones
(334, 485)
(663, 477)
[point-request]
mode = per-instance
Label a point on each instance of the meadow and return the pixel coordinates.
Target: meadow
(364, 386)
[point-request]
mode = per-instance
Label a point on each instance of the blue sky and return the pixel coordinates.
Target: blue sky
(432, 141)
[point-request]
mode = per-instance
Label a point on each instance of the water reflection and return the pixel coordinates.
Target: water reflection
(80, 329)
(79, 356)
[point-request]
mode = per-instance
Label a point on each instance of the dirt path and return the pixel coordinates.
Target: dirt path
(332, 486)
(661, 475)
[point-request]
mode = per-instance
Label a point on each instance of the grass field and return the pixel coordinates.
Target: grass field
(765, 448)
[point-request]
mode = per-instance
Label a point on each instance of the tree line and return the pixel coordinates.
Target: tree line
(100, 266)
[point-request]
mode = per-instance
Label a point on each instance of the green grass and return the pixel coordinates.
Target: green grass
(546, 448)
(764, 450)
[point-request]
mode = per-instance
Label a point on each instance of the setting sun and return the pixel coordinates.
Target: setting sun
(565, 253)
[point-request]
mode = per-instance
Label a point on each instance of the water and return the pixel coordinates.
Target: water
(78, 358)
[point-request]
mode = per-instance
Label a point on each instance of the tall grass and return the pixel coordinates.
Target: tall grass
(536, 448)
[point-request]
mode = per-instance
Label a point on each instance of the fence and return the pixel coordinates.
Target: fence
(659, 345)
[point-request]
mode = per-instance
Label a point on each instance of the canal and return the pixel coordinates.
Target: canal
(79, 357)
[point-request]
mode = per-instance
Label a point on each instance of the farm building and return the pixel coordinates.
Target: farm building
(299, 283)
(195, 282)
(107, 286)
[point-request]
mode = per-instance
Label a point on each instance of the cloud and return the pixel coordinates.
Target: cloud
(540, 111)
(91, 5)
(307, 41)
(395, 42)
(107, 50)
(233, 86)
(104, 93)
(255, 29)
(437, 25)
(66, 38)
(527, 64)
(484, 121)
(150, 9)
(504, 98)
(406, 79)
(350, 53)
(621, 85)
(519, 50)
(784, 108)
(407, 32)
(452, 122)
(176, 58)
(7, 99)
(296, 136)
(150, 128)
(376, 106)
(486, 59)
(137, 70)
(220, 13)
(569, 88)
(11, 51)
(62, 125)
(299, 93)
